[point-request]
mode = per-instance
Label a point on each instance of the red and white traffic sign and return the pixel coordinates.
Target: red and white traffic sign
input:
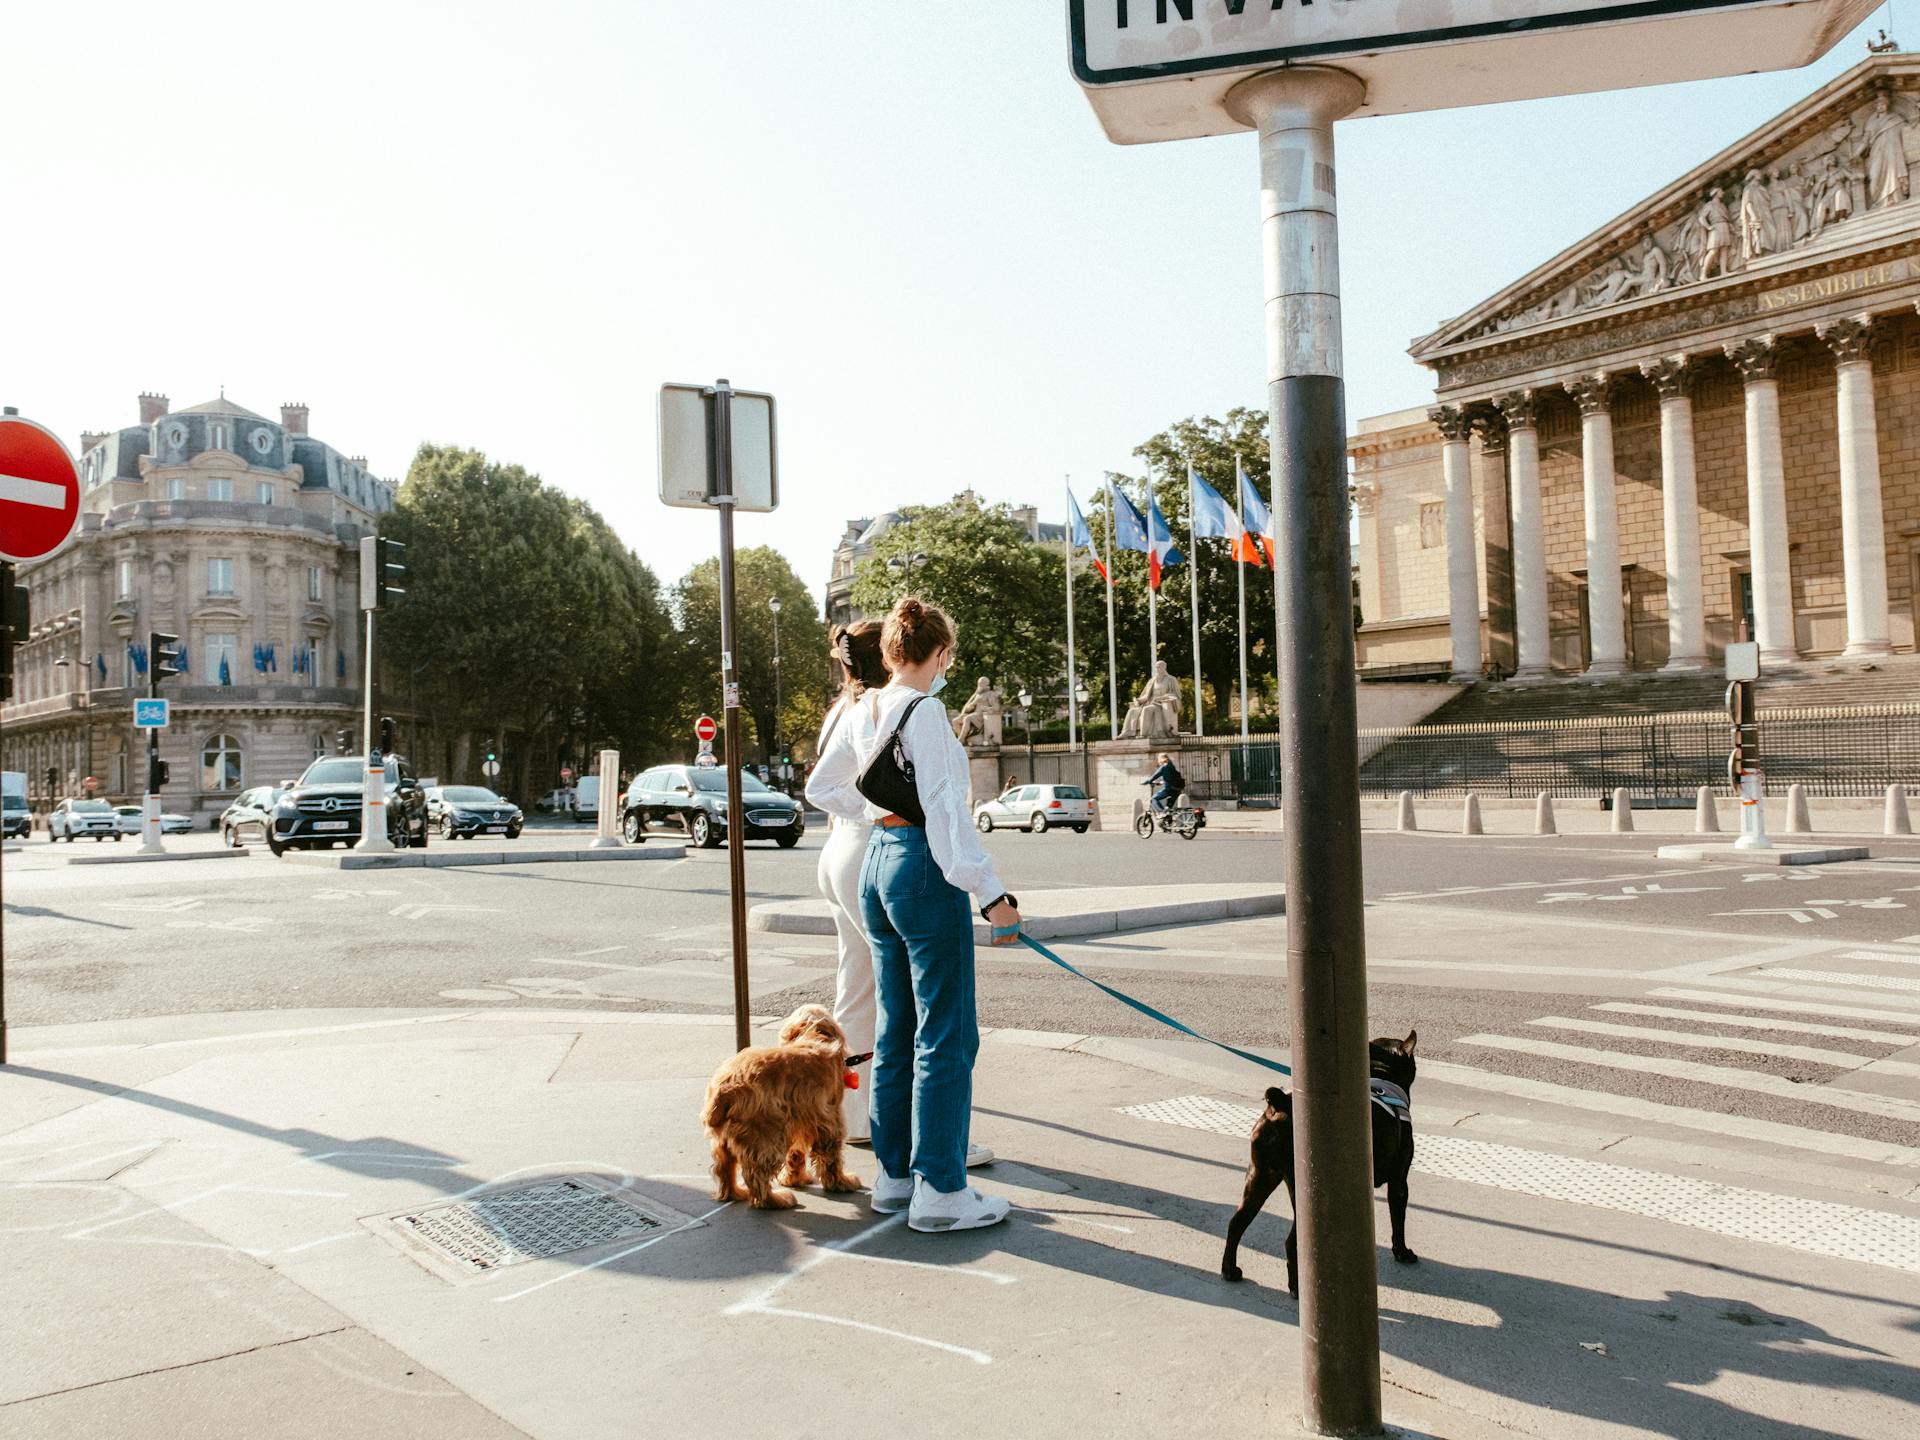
(39, 491)
(704, 729)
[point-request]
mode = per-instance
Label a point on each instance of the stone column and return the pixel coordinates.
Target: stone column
(1766, 501)
(1606, 620)
(1497, 536)
(1680, 515)
(1529, 536)
(1463, 572)
(1863, 533)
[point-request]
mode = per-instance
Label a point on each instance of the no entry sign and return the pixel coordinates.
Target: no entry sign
(39, 491)
(704, 730)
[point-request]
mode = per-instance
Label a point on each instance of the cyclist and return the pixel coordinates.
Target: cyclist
(1167, 781)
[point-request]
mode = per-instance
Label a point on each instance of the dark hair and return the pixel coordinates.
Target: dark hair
(915, 630)
(857, 649)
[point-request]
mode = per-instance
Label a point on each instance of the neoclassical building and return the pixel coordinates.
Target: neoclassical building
(239, 534)
(1702, 414)
(856, 548)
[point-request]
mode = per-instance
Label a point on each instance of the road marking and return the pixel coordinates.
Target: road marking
(590, 964)
(1884, 956)
(421, 912)
(349, 894)
(1763, 1022)
(1834, 977)
(1628, 892)
(1885, 1106)
(1563, 884)
(238, 925)
(24, 490)
(603, 950)
(1800, 916)
(167, 907)
(1812, 1054)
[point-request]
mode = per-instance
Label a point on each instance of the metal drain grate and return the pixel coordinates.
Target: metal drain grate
(1818, 1227)
(533, 1222)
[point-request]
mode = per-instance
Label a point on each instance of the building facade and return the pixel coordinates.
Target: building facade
(856, 548)
(1700, 416)
(239, 534)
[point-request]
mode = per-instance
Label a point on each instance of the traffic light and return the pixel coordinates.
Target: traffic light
(163, 654)
(382, 572)
(492, 751)
(162, 772)
(342, 742)
(386, 734)
(14, 625)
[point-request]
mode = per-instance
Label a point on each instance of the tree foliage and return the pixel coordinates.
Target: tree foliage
(759, 574)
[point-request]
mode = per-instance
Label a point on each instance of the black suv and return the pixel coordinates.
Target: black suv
(694, 799)
(323, 807)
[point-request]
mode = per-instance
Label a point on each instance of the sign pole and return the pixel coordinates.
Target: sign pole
(1293, 110)
(373, 794)
(720, 437)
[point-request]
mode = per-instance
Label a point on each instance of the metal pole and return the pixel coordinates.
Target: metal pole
(1113, 666)
(1240, 573)
(721, 439)
(1073, 673)
(1193, 584)
(1294, 111)
(150, 838)
(1026, 712)
(373, 795)
(773, 759)
(1153, 590)
(6, 694)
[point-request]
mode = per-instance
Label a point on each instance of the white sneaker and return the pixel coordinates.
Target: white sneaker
(978, 1155)
(889, 1196)
(935, 1210)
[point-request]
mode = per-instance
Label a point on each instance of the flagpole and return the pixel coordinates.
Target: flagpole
(1193, 581)
(1113, 665)
(1240, 573)
(1073, 705)
(1153, 590)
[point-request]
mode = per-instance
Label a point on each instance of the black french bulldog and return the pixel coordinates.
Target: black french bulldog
(1271, 1165)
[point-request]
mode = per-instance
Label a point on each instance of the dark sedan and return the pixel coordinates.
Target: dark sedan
(693, 799)
(251, 813)
(464, 811)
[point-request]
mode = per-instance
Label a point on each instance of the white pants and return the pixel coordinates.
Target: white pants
(854, 1005)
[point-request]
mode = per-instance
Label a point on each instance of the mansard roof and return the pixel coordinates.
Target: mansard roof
(221, 406)
(1810, 183)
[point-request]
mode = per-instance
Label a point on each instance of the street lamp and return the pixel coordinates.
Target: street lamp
(773, 604)
(87, 703)
(1026, 716)
(902, 565)
(1086, 761)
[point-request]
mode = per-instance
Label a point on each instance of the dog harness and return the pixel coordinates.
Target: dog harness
(1392, 1099)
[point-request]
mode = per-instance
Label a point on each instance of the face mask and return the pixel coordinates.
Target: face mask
(939, 684)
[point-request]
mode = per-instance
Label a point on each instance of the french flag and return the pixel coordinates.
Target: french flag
(1084, 537)
(1255, 542)
(1161, 554)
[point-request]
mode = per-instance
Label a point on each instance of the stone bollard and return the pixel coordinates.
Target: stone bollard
(1543, 815)
(1622, 812)
(1406, 819)
(612, 802)
(1799, 821)
(1470, 815)
(1897, 822)
(1706, 815)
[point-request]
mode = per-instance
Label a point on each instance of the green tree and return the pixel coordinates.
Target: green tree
(1005, 593)
(759, 574)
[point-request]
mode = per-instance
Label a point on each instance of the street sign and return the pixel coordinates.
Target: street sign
(704, 760)
(39, 490)
(689, 457)
(1743, 660)
(1160, 69)
(150, 714)
(566, 772)
(490, 768)
(704, 729)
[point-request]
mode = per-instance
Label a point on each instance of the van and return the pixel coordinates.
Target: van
(586, 798)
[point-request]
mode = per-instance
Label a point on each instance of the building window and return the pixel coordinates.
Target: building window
(220, 487)
(126, 580)
(220, 764)
(222, 650)
(319, 747)
(316, 581)
(216, 436)
(1433, 525)
(219, 577)
(264, 492)
(177, 488)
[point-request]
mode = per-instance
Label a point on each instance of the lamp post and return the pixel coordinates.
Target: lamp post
(1086, 760)
(773, 604)
(902, 565)
(1026, 718)
(86, 703)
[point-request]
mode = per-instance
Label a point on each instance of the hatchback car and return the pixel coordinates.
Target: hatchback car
(464, 811)
(693, 799)
(1036, 808)
(72, 819)
(251, 813)
(128, 819)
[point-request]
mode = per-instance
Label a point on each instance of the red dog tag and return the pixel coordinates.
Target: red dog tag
(853, 1081)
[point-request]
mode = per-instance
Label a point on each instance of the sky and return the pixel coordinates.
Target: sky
(504, 226)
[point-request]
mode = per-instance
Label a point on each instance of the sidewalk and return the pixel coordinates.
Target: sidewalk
(200, 1243)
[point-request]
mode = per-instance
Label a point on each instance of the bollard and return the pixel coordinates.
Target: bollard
(1622, 812)
(1407, 820)
(1470, 815)
(612, 802)
(1799, 822)
(1543, 815)
(1897, 822)
(1706, 815)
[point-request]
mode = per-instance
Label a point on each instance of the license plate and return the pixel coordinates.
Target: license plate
(496, 829)
(331, 824)
(774, 820)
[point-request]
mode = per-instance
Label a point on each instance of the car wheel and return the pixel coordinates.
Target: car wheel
(629, 828)
(700, 831)
(983, 822)
(1037, 823)
(1080, 829)
(275, 846)
(117, 837)
(1143, 825)
(513, 832)
(230, 837)
(786, 842)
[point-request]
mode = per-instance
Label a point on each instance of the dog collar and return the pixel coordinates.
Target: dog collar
(1391, 1098)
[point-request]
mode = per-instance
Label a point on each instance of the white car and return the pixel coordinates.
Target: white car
(1036, 808)
(72, 819)
(127, 821)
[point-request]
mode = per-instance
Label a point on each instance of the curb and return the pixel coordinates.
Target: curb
(224, 854)
(812, 917)
(445, 860)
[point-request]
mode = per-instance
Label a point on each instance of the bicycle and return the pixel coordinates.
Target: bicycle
(1183, 819)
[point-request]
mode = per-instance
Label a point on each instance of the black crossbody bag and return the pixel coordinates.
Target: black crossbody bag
(888, 779)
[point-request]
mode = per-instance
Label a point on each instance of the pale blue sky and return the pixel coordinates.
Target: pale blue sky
(504, 225)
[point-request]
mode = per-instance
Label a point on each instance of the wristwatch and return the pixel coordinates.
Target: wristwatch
(1009, 899)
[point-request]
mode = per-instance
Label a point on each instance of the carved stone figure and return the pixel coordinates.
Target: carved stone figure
(1654, 268)
(1791, 216)
(1835, 202)
(1156, 709)
(1711, 238)
(1611, 283)
(1886, 141)
(1756, 218)
(980, 719)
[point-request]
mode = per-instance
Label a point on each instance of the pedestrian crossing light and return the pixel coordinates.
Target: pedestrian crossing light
(13, 626)
(382, 571)
(342, 741)
(163, 653)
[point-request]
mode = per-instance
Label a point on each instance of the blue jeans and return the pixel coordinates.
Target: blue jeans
(921, 931)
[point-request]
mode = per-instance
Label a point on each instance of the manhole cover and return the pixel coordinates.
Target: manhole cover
(529, 1222)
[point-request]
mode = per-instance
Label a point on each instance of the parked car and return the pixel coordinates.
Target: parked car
(250, 813)
(561, 799)
(1035, 808)
(694, 800)
(322, 809)
(464, 811)
(127, 818)
(584, 800)
(72, 819)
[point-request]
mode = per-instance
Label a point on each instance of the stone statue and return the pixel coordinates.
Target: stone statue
(1756, 218)
(1792, 218)
(979, 720)
(1709, 237)
(1886, 145)
(1156, 709)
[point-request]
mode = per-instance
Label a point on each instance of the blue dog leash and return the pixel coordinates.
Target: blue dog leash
(1148, 1010)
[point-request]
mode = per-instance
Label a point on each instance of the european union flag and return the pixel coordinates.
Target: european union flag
(226, 675)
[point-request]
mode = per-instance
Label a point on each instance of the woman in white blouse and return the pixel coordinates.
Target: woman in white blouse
(923, 875)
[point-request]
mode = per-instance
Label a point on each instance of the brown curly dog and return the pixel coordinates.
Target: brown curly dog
(771, 1108)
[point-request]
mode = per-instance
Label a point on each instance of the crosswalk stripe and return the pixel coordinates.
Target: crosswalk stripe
(1761, 1022)
(1882, 956)
(1786, 1007)
(1842, 1059)
(1833, 977)
(1885, 1106)
(1683, 1117)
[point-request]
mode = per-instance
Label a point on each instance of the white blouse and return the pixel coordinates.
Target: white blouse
(940, 773)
